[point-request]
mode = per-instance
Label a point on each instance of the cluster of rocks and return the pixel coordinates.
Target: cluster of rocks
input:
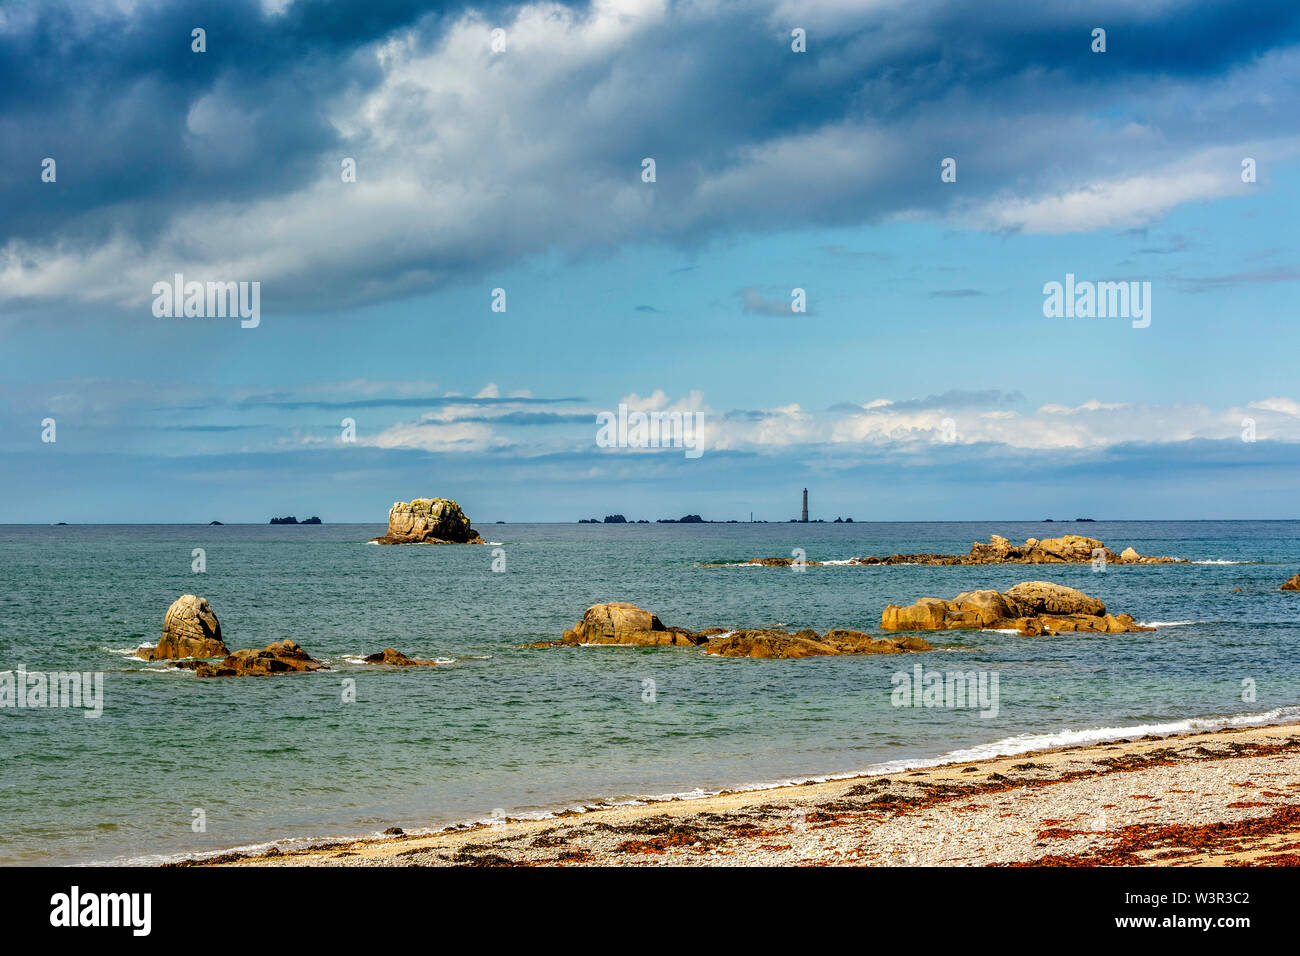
(191, 639)
(622, 623)
(280, 657)
(1067, 549)
(1031, 608)
(428, 521)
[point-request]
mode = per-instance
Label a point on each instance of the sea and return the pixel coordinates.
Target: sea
(179, 766)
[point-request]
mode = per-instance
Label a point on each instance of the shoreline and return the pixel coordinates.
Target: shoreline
(1063, 806)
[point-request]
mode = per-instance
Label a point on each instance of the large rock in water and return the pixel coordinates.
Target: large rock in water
(1043, 597)
(1292, 583)
(622, 623)
(190, 629)
(428, 521)
(1031, 607)
(282, 657)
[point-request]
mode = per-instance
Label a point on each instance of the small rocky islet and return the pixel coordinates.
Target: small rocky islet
(428, 521)
(1067, 549)
(1031, 608)
(622, 623)
(191, 640)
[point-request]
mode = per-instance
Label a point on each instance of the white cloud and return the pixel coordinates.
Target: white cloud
(1287, 406)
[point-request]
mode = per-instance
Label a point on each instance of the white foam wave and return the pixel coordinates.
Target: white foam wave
(1216, 561)
(1167, 623)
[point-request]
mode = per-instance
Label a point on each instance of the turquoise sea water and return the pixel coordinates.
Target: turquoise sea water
(519, 730)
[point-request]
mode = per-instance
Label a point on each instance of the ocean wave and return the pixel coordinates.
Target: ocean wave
(1167, 623)
(1218, 561)
(1010, 746)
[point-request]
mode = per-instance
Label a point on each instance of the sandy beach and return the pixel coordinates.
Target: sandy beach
(1216, 798)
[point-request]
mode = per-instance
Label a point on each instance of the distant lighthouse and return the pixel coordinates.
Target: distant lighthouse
(803, 518)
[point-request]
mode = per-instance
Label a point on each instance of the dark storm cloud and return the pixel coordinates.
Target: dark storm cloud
(156, 144)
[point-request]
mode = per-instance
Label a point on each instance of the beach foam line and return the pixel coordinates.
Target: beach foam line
(1168, 623)
(1004, 747)
(1021, 743)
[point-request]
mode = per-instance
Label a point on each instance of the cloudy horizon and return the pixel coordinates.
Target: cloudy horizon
(477, 226)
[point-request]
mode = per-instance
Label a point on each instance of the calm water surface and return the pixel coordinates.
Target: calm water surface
(520, 729)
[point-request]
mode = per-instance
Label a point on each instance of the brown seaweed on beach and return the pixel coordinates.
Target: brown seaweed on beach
(1144, 837)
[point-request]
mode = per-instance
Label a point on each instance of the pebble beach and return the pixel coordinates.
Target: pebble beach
(1217, 798)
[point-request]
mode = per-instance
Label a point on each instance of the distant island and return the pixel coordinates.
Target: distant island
(290, 519)
(210, 523)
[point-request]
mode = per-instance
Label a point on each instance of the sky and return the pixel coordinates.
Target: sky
(919, 171)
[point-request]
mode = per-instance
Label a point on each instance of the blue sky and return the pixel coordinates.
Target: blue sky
(922, 382)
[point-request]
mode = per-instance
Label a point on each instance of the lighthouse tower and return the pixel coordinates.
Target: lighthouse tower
(803, 518)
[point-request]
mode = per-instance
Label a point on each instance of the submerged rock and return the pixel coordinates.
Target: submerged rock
(622, 623)
(428, 521)
(396, 658)
(190, 629)
(1032, 608)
